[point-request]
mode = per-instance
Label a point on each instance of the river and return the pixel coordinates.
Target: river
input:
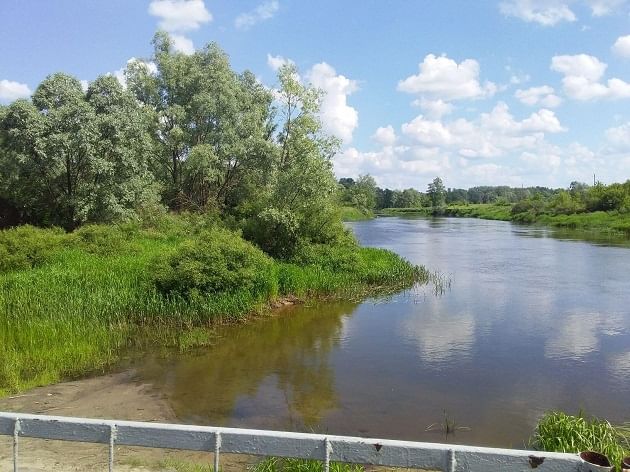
(534, 320)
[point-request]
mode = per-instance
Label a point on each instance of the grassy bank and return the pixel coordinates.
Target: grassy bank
(600, 221)
(349, 213)
(559, 432)
(71, 304)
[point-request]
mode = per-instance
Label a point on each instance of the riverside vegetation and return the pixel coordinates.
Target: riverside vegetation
(141, 215)
(601, 208)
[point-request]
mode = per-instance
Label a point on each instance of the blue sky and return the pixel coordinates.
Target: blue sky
(517, 92)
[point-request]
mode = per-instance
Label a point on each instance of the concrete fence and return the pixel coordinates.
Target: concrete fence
(326, 448)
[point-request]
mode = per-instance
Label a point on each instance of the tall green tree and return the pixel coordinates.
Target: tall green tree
(199, 101)
(437, 193)
(71, 158)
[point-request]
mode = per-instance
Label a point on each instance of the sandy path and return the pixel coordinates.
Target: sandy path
(115, 396)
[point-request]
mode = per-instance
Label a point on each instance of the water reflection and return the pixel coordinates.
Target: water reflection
(274, 373)
(579, 334)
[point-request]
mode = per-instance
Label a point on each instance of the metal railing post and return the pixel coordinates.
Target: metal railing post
(327, 452)
(112, 440)
(217, 451)
(16, 435)
(451, 463)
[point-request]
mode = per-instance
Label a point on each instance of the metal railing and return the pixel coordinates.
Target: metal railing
(326, 448)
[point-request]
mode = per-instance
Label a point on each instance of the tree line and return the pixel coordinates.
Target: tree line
(187, 132)
(364, 194)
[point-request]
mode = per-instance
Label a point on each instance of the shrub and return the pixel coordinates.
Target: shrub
(100, 239)
(26, 246)
(336, 258)
(275, 232)
(216, 261)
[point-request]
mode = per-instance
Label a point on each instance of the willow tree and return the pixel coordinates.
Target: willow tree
(69, 158)
(211, 125)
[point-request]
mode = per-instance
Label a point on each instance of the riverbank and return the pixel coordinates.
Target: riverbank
(76, 304)
(114, 396)
(599, 221)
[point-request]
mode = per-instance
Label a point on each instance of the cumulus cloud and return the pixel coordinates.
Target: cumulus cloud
(622, 46)
(180, 15)
(120, 73)
(442, 78)
(494, 148)
(604, 7)
(552, 12)
(582, 78)
(385, 135)
(10, 90)
(182, 44)
(435, 109)
(262, 12)
(276, 62)
(338, 118)
(492, 135)
(618, 137)
(544, 12)
(544, 96)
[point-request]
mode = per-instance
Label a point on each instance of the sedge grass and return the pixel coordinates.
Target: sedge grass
(559, 432)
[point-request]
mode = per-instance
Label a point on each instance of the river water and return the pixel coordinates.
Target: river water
(534, 320)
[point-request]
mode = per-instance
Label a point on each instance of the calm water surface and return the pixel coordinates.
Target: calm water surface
(534, 320)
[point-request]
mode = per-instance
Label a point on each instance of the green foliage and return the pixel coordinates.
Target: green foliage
(437, 193)
(100, 239)
(277, 464)
(275, 231)
(216, 261)
(26, 247)
(559, 432)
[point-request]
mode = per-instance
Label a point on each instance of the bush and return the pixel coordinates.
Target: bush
(275, 232)
(104, 240)
(216, 261)
(337, 258)
(26, 246)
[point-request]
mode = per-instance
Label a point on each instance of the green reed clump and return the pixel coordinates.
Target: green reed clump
(559, 432)
(73, 303)
(277, 464)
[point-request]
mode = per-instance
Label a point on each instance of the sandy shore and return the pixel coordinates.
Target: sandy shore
(115, 396)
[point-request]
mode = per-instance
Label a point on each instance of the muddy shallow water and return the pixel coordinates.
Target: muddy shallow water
(534, 320)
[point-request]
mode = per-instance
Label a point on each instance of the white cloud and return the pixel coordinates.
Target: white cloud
(435, 109)
(10, 90)
(276, 62)
(581, 65)
(492, 135)
(622, 46)
(338, 118)
(182, 44)
(553, 12)
(604, 7)
(84, 85)
(507, 147)
(262, 12)
(544, 12)
(386, 136)
(180, 15)
(582, 75)
(443, 78)
(618, 137)
(120, 73)
(539, 96)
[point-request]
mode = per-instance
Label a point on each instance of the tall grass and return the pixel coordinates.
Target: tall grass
(559, 432)
(275, 464)
(93, 296)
